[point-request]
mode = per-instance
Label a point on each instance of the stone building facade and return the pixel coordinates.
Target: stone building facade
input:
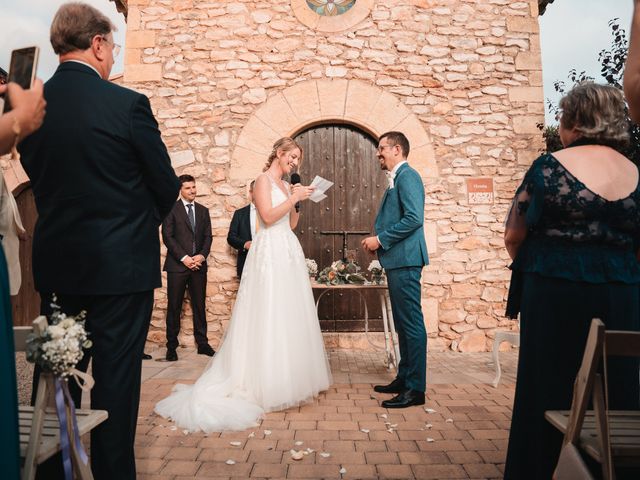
(462, 78)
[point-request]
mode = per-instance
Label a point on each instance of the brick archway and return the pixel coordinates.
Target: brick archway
(314, 102)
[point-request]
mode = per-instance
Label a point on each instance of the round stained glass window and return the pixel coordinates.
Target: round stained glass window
(330, 8)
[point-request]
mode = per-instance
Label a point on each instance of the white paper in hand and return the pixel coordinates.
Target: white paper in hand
(322, 185)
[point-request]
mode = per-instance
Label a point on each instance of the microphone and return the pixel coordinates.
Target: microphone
(295, 179)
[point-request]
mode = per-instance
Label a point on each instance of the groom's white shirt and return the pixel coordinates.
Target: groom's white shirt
(392, 174)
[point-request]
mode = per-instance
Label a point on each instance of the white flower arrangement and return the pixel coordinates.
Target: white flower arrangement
(312, 266)
(60, 347)
(374, 265)
(377, 272)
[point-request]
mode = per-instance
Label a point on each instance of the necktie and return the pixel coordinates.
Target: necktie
(192, 221)
(192, 218)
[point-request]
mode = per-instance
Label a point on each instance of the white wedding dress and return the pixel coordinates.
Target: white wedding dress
(272, 356)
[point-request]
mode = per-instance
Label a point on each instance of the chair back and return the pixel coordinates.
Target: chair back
(20, 334)
(591, 385)
(583, 384)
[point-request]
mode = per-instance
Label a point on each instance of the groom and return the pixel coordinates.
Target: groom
(402, 252)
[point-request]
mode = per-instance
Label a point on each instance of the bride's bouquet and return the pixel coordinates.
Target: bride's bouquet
(340, 273)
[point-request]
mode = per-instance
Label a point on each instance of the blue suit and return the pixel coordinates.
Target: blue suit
(403, 252)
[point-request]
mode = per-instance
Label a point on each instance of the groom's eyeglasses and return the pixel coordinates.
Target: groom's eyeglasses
(382, 147)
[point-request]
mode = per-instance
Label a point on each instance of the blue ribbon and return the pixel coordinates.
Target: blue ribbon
(64, 434)
(63, 396)
(76, 431)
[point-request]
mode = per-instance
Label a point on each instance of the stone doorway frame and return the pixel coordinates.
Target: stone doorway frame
(315, 102)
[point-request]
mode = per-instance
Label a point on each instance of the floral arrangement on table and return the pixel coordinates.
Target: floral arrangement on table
(377, 272)
(312, 267)
(340, 273)
(59, 348)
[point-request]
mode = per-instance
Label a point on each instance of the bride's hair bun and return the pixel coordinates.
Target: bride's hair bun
(285, 144)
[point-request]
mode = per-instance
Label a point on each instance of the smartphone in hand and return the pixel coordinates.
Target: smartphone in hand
(22, 70)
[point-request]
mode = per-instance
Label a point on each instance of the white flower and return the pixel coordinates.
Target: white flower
(62, 343)
(375, 264)
(67, 323)
(56, 331)
(312, 266)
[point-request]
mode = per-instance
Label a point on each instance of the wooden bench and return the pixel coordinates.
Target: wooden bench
(611, 437)
(39, 425)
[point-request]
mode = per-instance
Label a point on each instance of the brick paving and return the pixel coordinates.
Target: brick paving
(462, 435)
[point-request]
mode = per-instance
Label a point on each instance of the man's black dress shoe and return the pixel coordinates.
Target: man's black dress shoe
(397, 386)
(405, 399)
(171, 356)
(206, 350)
(146, 356)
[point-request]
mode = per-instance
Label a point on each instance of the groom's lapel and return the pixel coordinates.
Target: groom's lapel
(384, 198)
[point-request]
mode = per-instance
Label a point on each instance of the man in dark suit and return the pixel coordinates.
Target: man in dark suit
(102, 182)
(242, 229)
(187, 234)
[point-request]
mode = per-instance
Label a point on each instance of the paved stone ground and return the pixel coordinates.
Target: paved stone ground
(350, 435)
(464, 436)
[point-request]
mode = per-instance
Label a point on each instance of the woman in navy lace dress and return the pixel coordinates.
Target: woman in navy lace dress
(573, 233)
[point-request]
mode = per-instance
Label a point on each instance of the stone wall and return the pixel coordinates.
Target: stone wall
(468, 70)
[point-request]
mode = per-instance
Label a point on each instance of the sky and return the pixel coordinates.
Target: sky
(24, 23)
(572, 34)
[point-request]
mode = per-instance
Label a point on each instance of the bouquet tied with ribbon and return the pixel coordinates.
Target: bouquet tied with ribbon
(57, 349)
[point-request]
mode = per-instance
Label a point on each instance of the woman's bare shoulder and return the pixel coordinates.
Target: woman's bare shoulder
(590, 152)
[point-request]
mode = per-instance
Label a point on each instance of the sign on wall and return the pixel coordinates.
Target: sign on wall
(479, 191)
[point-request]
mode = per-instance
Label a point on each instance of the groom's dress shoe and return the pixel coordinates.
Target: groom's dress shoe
(206, 350)
(171, 356)
(397, 386)
(146, 356)
(405, 399)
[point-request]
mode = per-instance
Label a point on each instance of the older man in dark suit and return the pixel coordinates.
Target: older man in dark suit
(242, 230)
(102, 182)
(187, 234)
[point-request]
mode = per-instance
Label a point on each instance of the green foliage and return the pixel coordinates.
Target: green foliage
(612, 62)
(551, 137)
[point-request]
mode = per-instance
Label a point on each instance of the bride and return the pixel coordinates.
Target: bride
(272, 356)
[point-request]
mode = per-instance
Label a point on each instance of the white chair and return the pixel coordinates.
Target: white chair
(503, 336)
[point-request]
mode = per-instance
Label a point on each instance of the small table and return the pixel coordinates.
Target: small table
(392, 352)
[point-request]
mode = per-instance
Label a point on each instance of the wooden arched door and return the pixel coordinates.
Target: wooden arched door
(26, 305)
(345, 155)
